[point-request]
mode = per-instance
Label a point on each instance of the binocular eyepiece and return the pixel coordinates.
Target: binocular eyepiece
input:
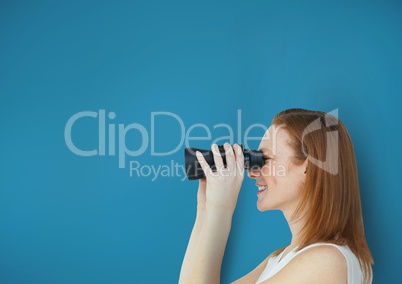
(252, 159)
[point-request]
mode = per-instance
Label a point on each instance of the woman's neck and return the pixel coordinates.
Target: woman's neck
(295, 228)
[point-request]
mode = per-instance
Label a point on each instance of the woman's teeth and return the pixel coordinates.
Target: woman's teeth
(262, 188)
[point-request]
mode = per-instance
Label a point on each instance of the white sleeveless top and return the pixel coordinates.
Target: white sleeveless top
(355, 275)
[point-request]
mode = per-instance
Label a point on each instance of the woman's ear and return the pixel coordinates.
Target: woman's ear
(305, 164)
(303, 171)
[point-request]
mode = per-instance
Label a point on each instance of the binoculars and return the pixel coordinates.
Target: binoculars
(252, 159)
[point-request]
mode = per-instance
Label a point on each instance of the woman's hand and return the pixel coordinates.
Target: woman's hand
(223, 185)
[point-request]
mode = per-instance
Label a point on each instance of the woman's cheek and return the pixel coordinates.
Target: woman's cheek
(279, 170)
(267, 169)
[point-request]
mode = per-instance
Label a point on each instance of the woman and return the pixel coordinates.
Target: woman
(311, 176)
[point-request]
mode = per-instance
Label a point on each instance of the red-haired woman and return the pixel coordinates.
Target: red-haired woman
(311, 176)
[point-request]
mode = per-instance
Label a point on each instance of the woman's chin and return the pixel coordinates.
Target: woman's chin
(263, 206)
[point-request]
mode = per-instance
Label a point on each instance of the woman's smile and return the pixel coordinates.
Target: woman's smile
(261, 189)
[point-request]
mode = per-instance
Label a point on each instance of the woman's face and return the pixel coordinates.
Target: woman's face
(280, 180)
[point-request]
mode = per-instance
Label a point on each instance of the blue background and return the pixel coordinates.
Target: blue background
(71, 219)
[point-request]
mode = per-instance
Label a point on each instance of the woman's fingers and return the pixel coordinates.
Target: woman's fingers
(217, 158)
(204, 165)
(239, 158)
(230, 157)
(234, 161)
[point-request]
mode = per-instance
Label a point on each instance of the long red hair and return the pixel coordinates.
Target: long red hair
(330, 199)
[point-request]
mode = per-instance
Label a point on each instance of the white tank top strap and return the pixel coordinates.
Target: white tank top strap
(275, 264)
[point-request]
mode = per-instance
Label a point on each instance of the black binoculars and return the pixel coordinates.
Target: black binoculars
(252, 159)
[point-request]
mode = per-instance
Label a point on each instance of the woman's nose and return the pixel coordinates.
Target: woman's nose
(253, 173)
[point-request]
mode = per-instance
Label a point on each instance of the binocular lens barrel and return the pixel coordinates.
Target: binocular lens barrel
(252, 159)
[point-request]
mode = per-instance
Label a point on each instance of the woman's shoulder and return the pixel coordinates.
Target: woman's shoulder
(335, 255)
(314, 264)
(320, 250)
(333, 250)
(325, 246)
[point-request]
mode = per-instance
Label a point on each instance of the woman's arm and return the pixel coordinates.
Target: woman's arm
(190, 251)
(203, 260)
(206, 253)
(199, 221)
